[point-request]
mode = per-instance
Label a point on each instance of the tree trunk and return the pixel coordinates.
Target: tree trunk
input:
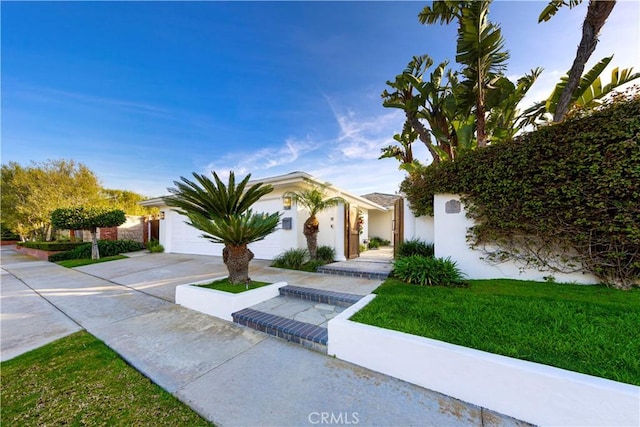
(95, 252)
(424, 135)
(237, 258)
(597, 13)
(481, 122)
(310, 231)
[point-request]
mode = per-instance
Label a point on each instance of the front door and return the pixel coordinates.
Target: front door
(351, 232)
(398, 225)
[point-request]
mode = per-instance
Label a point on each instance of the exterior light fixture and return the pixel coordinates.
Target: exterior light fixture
(161, 214)
(286, 203)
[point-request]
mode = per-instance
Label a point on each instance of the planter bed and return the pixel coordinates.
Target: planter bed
(36, 253)
(222, 304)
(528, 391)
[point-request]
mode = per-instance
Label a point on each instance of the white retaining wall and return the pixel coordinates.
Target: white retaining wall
(528, 391)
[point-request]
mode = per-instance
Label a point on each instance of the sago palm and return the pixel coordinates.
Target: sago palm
(314, 200)
(223, 213)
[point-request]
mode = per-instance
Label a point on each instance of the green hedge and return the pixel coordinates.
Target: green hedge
(565, 197)
(106, 248)
(51, 246)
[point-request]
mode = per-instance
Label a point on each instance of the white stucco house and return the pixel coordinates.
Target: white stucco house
(338, 226)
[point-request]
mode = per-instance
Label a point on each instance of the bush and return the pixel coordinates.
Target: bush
(51, 246)
(374, 244)
(564, 198)
(326, 254)
(427, 271)
(292, 258)
(379, 241)
(154, 246)
(106, 247)
(415, 247)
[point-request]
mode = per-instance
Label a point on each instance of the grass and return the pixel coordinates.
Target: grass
(588, 329)
(225, 286)
(71, 263)
(78, 380)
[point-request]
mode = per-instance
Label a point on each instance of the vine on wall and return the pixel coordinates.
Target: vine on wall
(563, 198)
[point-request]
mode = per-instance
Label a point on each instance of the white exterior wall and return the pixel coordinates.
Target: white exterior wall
(450, 232)
(422, 227)
(380, 225)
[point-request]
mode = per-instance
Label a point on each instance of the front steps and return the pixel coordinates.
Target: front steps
(298, 315)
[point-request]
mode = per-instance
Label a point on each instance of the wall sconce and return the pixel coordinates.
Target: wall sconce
(161, 214)
(286, 203)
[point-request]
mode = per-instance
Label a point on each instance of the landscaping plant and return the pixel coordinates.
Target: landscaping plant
(415, 247)
(223, 213)
(427, 271)
(154, 246)
(314, 200)
(292, 259)
(107, 248)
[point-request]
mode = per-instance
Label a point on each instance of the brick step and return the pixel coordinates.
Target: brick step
(340, 299)
(353, 272)
(305, 334)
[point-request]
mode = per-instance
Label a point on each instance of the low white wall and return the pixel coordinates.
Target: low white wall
(450, 238)
(422, 227)
(527, 391)
(222, 304)
(380, 225)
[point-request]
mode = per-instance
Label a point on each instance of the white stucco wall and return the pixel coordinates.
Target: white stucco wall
(380, 225)
(450, 238)
(422, 227)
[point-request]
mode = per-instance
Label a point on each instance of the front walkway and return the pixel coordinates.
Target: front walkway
(372, 264)
(231, 375)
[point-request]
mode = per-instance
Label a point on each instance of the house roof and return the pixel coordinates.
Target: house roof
(382, 199)
(294, 179)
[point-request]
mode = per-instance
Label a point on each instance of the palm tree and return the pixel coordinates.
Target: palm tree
(314, 200)
(223, 213)
(597, 13)
(480, 49)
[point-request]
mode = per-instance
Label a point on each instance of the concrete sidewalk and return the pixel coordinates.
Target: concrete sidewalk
(231, 375)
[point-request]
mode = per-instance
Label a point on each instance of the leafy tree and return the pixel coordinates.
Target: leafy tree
(314, 200)
(597, 13)
(223, 213)
(31, 193)
(127, 201)
(81, 218)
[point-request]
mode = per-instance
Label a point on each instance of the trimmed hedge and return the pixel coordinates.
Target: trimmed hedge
(51, 246)
(106, 247)
(563, 198)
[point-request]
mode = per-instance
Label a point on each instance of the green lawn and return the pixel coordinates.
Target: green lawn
(224, 285)
(77, 381)
(71, 263)
(588, 329)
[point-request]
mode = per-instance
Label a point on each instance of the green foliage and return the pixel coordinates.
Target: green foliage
(415, 247)
(154, 246)
(106, 247)
(374, 244)
(427, 271)
(51, 246)
(82, 218)
(587, 329)
(326, 254)
(77, 381)
(291, 258)
(30, 193)
(563, 198)
(226, 286)
(126, 201)
(7, 234)
(379, 241)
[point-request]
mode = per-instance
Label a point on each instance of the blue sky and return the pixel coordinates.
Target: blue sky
(146, 92)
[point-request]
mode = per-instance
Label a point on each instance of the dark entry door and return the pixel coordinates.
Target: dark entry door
(398, 225)
(351, 232)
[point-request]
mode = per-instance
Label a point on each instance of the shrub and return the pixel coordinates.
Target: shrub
(415, 247)
(374, 244)
(326, 254)
(427, 271)
(51, 246)
(154, 246)
(563, 198)
(107, 248)
(379, 241)
(363, 247)
(292, 258)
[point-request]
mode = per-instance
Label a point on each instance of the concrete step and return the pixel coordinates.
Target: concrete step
(355, 270)
(341, 299)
